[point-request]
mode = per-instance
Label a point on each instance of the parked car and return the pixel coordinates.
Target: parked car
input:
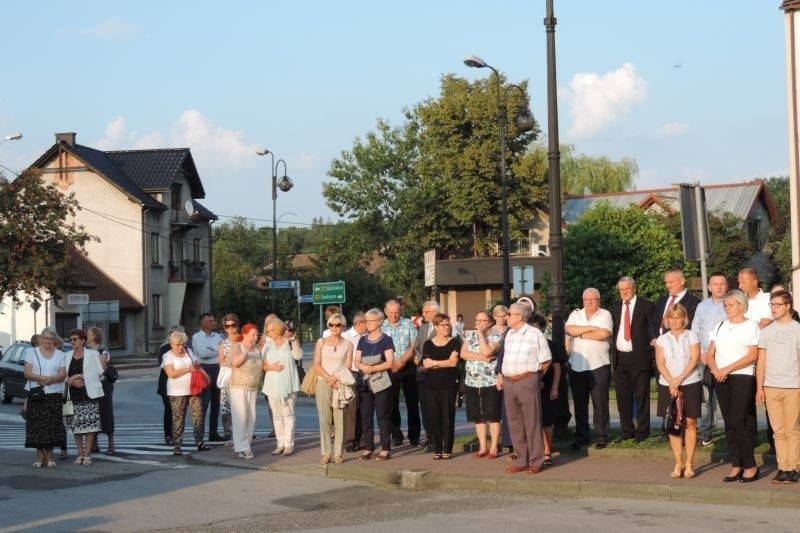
(12, 372)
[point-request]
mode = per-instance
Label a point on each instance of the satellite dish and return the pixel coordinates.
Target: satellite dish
(189, 208)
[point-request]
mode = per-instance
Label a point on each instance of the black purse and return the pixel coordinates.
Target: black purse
(110, 372)
(673, 418)
(36, 394)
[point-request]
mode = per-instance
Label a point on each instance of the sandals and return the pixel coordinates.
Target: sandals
(78, 461)
(688, 472)
(325, 460)
(203, 447)
(51, 464)
(37, 464)
(493, 455)
(479, 455)
(437, 456)
(384, 456)
(63, 455)
(338, 459)
(111, 451)
(247, 455)
(367, 455)
(548, 459)
(177, 451)
(446, 456)
(87, 461)
(677, 473)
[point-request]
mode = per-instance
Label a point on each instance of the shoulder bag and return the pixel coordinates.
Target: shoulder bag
(224, 377)
(36, 394)
(68, 409)
(673, 418)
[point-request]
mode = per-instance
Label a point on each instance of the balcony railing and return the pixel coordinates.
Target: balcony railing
(188, 271)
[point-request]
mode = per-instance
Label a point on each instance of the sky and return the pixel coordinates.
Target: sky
(692, 90)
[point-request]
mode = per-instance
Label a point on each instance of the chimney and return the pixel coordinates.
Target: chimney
(67, 138)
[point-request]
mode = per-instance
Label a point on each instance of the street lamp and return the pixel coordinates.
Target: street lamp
(12, 137)
(524, 122)
(284, 184)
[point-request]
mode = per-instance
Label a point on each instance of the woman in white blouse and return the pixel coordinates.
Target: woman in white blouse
(281, 382)
(677, 354)
(732, 357)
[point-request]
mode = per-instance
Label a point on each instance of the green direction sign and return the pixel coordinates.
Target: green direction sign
(331, 292)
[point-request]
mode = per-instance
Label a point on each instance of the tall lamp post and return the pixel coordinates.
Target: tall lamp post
(524, 122)
(284, 184)
(556, 293)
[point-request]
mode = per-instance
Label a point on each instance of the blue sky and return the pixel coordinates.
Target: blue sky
(691, 90)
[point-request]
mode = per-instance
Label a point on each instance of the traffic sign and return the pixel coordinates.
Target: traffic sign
(331, 292)
(286, 284)
(306, 299)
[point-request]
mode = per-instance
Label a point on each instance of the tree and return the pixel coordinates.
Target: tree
(581, 173)
(780, 238)
(37, 231)
(608, 243)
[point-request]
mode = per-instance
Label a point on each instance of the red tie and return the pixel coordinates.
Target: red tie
(664, 324)
(627, 321)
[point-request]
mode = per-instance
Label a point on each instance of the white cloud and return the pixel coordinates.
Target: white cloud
(112, 136)
(305, 161)
(107, 29)
(597, 101)
(671, 129)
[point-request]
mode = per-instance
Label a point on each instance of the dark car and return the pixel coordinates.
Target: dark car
(12, 370)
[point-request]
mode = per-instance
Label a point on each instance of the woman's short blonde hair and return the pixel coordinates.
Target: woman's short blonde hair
(679, 311)
(739, 297)
(276, 323)
(178, 337)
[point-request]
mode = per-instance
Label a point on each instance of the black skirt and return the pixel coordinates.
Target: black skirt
(44, 428)
(692, 398)
(484, 404)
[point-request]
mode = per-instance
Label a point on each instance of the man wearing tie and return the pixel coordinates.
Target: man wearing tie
(676, 293)
(634, 358)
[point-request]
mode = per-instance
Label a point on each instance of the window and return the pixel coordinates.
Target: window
(155, 248)
(176, 196)
(157, 311)
(196, 250)
(754, 233)
(521, 246)
(104, 315)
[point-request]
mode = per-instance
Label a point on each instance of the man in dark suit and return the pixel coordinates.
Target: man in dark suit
(630, 342)
(425, 332)
(676, 294)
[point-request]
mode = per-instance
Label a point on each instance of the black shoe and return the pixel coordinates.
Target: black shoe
(793, 476)
(750, 479)
(396, 442)
(601, 444)
(731, 479)
(167, 440)
(216, 438)
(782, 477)
(576, 446)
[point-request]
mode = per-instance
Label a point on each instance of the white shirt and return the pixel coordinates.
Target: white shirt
(524, 351)
(677, 354)
(707, 316)
(732, 342)
(589, 354)
(180, 386)
(622, 344)
(45, 367)
(206, 347)
(758, 307)
(353, 336)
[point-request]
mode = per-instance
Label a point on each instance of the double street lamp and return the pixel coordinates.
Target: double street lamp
(524, 122)
(285, 185)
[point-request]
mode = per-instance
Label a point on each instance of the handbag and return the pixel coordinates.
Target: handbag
(68, 409)
(110, 373)
(199, 382)
(36, 394)
(224, 377)
(673, 418)
(309, 384)
(379, 381)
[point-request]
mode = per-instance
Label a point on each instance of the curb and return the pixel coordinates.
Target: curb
(422, 480)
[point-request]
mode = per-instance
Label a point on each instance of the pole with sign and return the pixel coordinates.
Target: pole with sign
(331, 292)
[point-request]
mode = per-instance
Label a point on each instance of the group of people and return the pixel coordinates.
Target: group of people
(736, 348)
(76, 378)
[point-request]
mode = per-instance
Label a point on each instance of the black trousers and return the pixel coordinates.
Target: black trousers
(591, 384)
(405, 380)
(167, 416)
(423, 403)
(376, 405)
(441, 406)
(633, 388)
(736, 397)
(211, 396)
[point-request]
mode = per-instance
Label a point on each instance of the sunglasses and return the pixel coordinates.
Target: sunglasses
(337, 325)
(231, 325)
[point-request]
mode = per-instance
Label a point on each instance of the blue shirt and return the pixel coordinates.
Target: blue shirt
(403, 335)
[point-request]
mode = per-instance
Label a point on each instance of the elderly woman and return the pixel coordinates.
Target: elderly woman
(333, 357)
(281, 382)
(373, 359)
(247, 370)
(440, 357)
(483, 399)
(179, 363)
(677, 355)
(731, 356)
(230, 323)
(161, 390)
(94, 340)
(44, 367)
(84, 371)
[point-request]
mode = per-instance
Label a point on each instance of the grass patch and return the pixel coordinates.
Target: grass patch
(654, 442)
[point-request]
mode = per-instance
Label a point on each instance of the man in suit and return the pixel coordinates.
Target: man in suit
(429, 310)
(630, 342)
(676, 294)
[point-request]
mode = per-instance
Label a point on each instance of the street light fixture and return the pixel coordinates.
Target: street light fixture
(285, 185)
(524, 123)
(12, 137)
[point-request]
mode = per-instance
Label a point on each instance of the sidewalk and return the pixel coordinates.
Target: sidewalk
(615, 473)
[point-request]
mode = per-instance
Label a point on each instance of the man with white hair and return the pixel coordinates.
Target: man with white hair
(425, 332)
(589, 330)
(526, 357)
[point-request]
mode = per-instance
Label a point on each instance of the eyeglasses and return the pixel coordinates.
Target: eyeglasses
(517, 314)
(73, 339)
(231, 325)
(336, 325)
(777, 304)
(445, 324)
